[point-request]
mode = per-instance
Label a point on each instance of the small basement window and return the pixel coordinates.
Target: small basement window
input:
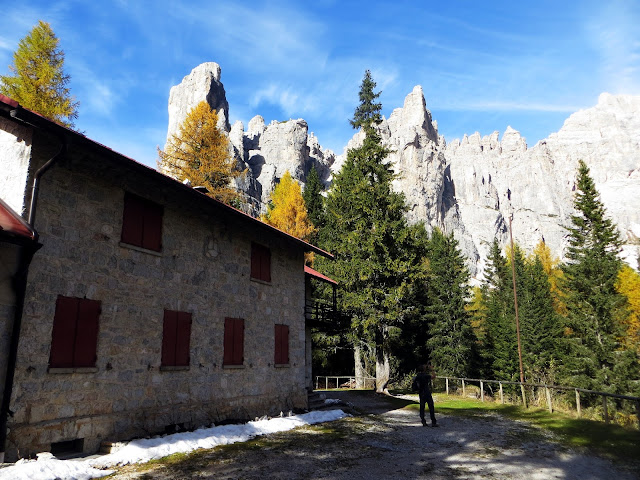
(67, 449)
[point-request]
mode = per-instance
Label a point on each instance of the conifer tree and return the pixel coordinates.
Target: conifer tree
(313, 199)
(369, 237)
(595, 308)
(287, 210)
(39, 82)
(199, 153)
(551, 267)
(451, 339)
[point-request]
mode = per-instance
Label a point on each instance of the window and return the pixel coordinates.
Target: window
(142, 223)
(233, 341)
(176, 333)
(282, 345)
(260, 262)
(74, 339)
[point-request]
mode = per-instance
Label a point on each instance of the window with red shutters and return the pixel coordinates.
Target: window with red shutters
(282, 345)
(142, 223)
(176, 335)
(74, 339)
(233, 341)
(260, 262)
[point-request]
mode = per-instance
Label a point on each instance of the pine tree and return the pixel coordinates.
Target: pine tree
(595, 308)
(368, 112)
(369, 237)
(313, 200)
(199, 153)
(500, 353)
(39, 82)
(287, 210)
(451, 341)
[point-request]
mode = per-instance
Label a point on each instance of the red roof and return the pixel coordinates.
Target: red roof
(318, 275)
(13, 223)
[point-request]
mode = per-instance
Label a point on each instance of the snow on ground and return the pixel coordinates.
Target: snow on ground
(47, 467)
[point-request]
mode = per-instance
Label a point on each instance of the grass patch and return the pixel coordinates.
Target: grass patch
(614, 441)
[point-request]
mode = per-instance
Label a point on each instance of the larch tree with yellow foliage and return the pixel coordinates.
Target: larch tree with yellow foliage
(199, 153)
(287, 210)
(39, 82)
(551, 266)
(628, 284)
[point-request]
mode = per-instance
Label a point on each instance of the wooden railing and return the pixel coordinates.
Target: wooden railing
(548, 393)
(349, 381)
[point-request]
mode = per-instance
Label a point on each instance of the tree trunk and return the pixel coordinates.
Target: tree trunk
(359, 369)
(383, 369)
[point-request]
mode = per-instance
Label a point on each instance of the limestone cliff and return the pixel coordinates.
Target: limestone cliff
(470, 187)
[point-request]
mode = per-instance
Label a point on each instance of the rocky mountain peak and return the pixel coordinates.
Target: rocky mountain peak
(470, 187)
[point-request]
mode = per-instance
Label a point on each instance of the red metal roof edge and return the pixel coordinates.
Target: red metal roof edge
(318, 275)
(13, 104)
(13, 223)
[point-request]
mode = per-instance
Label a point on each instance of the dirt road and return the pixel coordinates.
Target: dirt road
(385, 441)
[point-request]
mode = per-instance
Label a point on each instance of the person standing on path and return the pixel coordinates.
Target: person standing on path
(422, 384)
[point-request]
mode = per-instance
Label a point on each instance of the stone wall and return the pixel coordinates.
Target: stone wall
(15, 151)
(204, 268)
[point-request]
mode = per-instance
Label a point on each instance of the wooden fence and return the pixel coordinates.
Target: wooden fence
(351, 381)
(548, 389)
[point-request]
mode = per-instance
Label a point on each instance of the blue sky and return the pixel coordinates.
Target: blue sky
(482, 65)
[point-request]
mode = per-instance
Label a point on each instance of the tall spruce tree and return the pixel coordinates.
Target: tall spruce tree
(451, 338)
(594, 358)
(39, 82)
(314, 201)
(367, 233)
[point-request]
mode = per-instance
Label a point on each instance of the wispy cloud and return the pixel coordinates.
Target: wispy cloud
(498, 106)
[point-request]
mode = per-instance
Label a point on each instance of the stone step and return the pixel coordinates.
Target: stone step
(111, 447)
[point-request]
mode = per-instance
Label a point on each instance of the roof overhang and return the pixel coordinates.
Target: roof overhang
(11, 108)
(317, 275)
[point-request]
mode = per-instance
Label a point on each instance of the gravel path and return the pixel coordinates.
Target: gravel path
(385, 442)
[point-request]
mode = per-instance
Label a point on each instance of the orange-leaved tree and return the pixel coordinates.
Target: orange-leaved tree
(199, 153)
(628, 284)
(287, 210)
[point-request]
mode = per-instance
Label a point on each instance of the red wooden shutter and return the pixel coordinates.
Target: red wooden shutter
(282, 344)
(64, 332)
(86, 343)
(183, 334)
(169, 333)
(152, 229)
(238, 342)
(265, 265)
(228, 341)
(284, 347)
(255, 261)
(132, 220)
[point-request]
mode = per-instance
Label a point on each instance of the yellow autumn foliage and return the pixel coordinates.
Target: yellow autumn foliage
(628, 284)
(287, 210)
(554, 273)
(199, 153)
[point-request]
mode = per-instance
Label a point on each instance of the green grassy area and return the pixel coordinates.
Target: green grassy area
(613, 441)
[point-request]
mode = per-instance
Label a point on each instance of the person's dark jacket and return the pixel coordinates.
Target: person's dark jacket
(422, 383)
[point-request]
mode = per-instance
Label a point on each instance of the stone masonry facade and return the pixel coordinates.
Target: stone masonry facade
(203, 268)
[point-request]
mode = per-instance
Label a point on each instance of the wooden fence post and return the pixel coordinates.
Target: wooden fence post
(524, 396)
(481, 391)
(578, 402)
(549, 399)
(638, 411)
(501, 394)
(447, 383)
(464, 393)
(605, 411)
(326, 383)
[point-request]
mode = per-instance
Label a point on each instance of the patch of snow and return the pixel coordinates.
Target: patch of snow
(47, 467)
(332, 401)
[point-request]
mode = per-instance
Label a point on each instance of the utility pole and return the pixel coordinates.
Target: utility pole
(515, 301)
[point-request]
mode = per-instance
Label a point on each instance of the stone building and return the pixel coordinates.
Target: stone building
(149, 306)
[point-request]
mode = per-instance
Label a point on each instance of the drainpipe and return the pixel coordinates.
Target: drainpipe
(20, 287)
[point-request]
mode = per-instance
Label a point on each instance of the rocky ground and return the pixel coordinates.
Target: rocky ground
(383, 440)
